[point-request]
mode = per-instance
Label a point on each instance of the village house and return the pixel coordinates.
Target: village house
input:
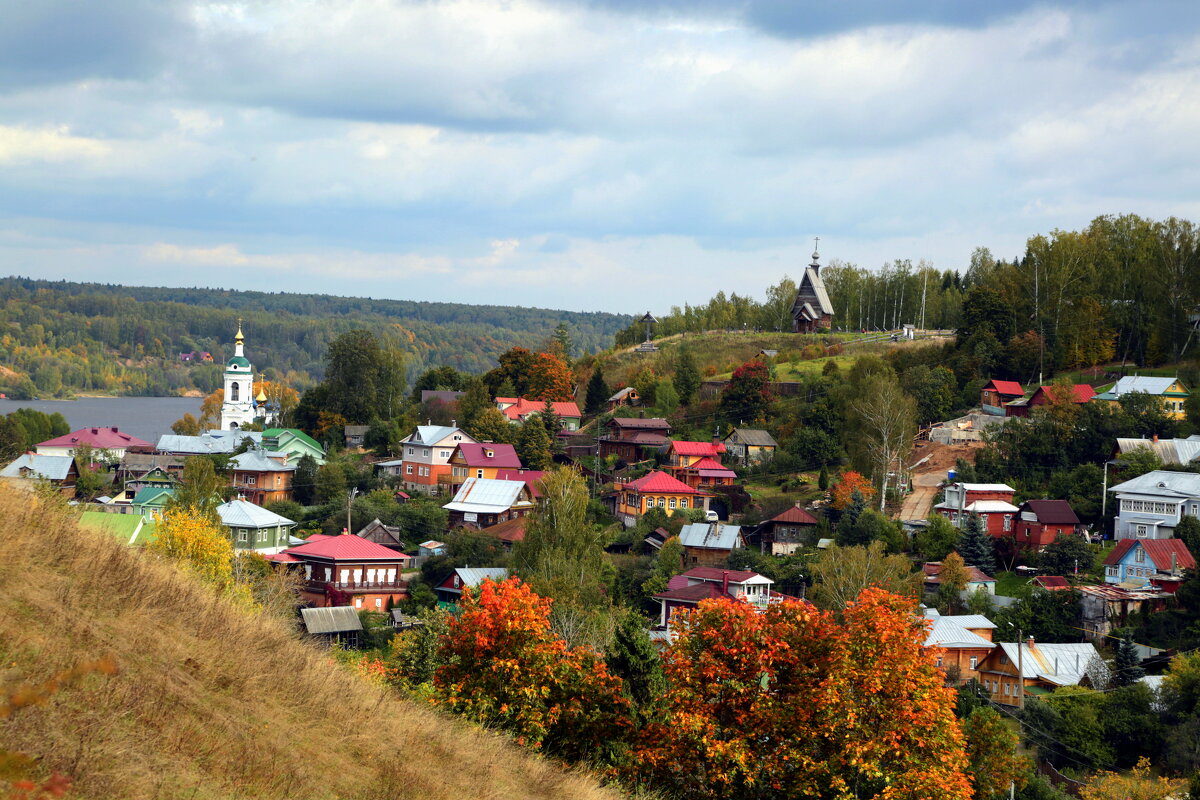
(977, 580)
(260, 478)
(426, 456)
(1079, 393)
(623, 397)
(214, 442)
(519, 409)
(698, 464)
(629, 438)
(750, 446)
(995, 395)
(962, 642)
(709, 583)
(655, 490)
(1040, 522)
(30, 468)
(785, 533)
(1104, 608)
(151, 501)
(508, 533)
(348, 570)
(107, 443)
(252, 527)
(135, 465)
(385, 535)
(709, 544)
(1030, 668)
(293, 443)
(812, 310)
(1171, 452)
(327, 625)
(484, 502)
(1139, 563)
(1170, 392)
(451, 588)
(479, 460)
(991, 501)
(153, 478)
(355, 435)
(1151, 505)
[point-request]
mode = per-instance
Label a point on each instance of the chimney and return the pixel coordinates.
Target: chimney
(1174, 563)
(453, 423)
(95, 431)
(1029, 644)
(724, 581)
(1154, 438)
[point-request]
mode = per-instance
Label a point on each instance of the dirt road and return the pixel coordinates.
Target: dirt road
(932, 462)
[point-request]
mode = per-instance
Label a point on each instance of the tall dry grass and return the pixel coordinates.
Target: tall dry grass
(211, 701)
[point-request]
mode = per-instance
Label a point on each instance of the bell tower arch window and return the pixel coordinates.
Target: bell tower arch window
(233, 392)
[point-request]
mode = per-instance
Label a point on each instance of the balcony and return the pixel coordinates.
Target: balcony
(357, 586)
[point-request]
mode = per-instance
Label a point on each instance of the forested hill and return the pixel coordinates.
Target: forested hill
(61, 338)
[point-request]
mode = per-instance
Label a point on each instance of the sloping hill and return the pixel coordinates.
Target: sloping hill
(211, 701)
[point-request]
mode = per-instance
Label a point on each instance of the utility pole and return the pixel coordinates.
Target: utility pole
(924, 287)
(1020, 670)
(350, 505)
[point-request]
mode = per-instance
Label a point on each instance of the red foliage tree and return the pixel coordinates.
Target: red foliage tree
(504, 668)
(748, 393)
(792, 702)
(846, 485)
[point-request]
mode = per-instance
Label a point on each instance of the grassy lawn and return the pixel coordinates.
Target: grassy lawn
(1007, 583)
(120, 526)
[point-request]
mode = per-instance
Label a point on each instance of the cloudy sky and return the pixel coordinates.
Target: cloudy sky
(604, 155)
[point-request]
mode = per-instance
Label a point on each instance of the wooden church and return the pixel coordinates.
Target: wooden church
(812, 310)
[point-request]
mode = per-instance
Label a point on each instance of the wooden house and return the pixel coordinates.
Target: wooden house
(698, 464)
(480, 460)
(977, 579)
(995, 395)
(1040, 522)
(960, 642)
(1170, 391)
(785, 533)
(252, 527)
(292, 443)
(385, 535)
(426, 456)
(751, 446)
(484, 502)
(710, 543)
(655, 490)
(991, 501)
(1138, 562)
(260, 478)
(623, 397)
(347, 570)
(30, 468)
(1079, 393)
(1014, 669)
(337, 624)
(519, 409)
(464, 578)
(812, 310)
(629, 438)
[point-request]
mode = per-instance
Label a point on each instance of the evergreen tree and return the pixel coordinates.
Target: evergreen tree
(687, 377)
(1128, 663)
(534, 444)
(823, 479)
(12, 439)
(975, 546)
(562, 341)
(597, 392)
(304, 483)
(474, 402)
(492, 426)
(665, 397)
(1188, 529)
(633, 658)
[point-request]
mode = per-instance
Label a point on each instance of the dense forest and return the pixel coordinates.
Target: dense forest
(1125, 288)
(60, 338)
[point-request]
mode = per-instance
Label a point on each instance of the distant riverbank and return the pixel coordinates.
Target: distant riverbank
(144, 417)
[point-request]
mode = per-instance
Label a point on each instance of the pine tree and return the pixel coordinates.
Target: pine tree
(976, 546)
(474, 402)
(823, 479)
(562, 341)
(304, 484)
(686, 378)
(597, 392)
(633, 658)
(1128, 664)
(533, 444)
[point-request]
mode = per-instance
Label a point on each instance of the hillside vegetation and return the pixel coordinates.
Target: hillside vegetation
(57, 338)
(210, 701)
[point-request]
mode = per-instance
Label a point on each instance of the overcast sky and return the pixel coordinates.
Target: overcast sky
(610, 155)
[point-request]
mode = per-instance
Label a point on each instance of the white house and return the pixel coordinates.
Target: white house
(1151, 505)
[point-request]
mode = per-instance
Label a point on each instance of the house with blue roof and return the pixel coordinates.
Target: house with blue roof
(29, 468)
(1170, 391)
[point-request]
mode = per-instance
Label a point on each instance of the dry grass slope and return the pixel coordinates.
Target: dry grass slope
(210, 701)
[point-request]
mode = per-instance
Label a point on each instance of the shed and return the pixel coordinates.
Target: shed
(335, 624)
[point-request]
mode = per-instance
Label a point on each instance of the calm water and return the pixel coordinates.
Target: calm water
(144, 417)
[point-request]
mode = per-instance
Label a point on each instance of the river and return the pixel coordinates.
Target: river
(144, 417)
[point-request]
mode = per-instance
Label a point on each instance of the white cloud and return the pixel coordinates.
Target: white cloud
(47, 145)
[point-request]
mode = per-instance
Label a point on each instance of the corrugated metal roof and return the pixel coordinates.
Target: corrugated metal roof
(257, 461)
(1060, 664)
(52, 468)
(338, 619)
(710, 535)
(947, 632)
(244, 514)
(429, 435)
(1162, 483)
(212, 442)
(753, 437)
(1142, 383)
(486, 496)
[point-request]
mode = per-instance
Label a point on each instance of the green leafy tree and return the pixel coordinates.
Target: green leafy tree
(331, 483)
(665, 397)
(492, 426)
(1067, 555)
(937, 539)
(474, 402)
(667, 564)
(534, 444)
(976, 546)
(633, 658)
(200, 489)
(748, 394)
(1188, 530)
(840, 574)
(187, 425)
(597, 392)
(992, 750)
(687, 377)
(304, 483)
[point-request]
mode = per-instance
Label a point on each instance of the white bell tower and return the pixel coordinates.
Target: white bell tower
(238, 409)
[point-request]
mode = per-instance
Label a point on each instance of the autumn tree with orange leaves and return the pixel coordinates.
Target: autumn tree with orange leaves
(503, 668)
(849, 482)
(550, 379)
(793, 702)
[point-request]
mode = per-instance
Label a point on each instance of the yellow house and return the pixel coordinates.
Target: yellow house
(657, 490)
(1171, 392)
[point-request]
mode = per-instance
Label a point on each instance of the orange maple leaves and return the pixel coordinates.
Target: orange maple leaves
(796, 703)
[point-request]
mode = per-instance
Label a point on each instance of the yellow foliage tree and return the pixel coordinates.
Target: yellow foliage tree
(1138, 784)
(188, 536)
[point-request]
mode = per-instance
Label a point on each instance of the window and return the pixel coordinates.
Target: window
(1112, 572)
(358, 602)
(1006, 689)
(672, 503)
(411, 451)
(478, 473)
(445, 454)
(1008, 522)
(379, 602)
(233, 392)
(939, 661)
(974, 661)
(425, 453)
(1141, 555)
(662, 502)
(649, 503)
(1142, 531)
(242, 535)
(408, 469)
(491, 454)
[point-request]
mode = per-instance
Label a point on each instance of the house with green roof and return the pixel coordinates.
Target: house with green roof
(149, 501)
(294, 443)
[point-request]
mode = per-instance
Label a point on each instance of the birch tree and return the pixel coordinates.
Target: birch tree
(884, 421)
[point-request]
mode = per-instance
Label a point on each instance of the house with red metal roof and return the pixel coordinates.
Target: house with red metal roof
(710, 583)
(698, 464)
(1144, 562)
(630, 438)
(1044, 395)
(508, 532)
(977, 579)
(785, 533)
(347, 570)
(996, 394)
(109, 439)
(655, 490)
(1040, 522)
(479, 460)
(519, 409)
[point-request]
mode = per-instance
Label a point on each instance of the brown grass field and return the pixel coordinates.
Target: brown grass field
(211, 701)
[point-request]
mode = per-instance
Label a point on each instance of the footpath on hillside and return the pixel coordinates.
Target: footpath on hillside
(931, 462)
